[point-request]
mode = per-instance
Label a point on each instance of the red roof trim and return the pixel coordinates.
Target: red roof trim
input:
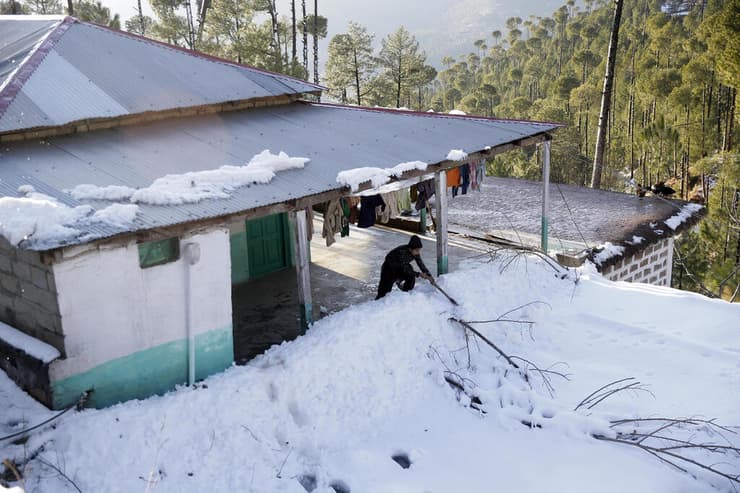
(25, 71)
(429, 114)
(200, 54)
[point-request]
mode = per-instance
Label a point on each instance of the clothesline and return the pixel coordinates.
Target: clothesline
(395, 199)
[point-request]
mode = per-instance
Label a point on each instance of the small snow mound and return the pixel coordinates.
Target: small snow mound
(29, 345)
(195, 186)
(457, 112)
(682, 216)
(353, 178)
(607, 251)
(457, 155)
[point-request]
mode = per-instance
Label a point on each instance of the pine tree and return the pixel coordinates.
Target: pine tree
(401, 59)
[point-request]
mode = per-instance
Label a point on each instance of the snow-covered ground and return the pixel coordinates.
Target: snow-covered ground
(327, 412)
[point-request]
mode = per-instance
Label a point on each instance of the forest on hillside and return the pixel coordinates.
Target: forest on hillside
(672, 115)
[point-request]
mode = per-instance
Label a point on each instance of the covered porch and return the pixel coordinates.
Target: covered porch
(265, 309)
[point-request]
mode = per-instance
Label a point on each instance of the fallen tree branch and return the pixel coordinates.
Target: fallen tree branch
(672, 450)
(486, 340)
(609, 390)
(67, 478)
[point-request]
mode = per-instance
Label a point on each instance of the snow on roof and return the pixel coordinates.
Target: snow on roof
(683, 215)
(457, 155)
(580, 215)
(29, 345)
(43, 219)
(377, 177)
(55, 71)
(192, 187)
(115, 162)
(367, 383)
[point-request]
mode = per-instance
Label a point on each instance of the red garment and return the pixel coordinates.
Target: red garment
(453, 177)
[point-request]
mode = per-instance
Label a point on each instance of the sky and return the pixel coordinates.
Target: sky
(443, 27)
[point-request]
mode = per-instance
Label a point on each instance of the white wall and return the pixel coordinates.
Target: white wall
(111, 307)
(652, 265)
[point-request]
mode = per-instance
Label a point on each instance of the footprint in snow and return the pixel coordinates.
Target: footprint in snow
(402, 459)
(339, 486)
(308, 481)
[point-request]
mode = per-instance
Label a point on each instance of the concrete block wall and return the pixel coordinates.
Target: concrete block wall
(652, 265)
(28, 295)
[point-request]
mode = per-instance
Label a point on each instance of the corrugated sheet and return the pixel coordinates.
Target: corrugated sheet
(335, 138)
(89, 71)
(18, 36)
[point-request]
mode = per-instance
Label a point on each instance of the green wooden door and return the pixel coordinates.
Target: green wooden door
(266, 250)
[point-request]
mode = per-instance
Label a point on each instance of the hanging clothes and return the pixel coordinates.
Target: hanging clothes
(480, 172)
(345, 216)
(354, 212)
(404, 201)
(426, 190)
(391, 207)
(465, 177)
(453, 177)
(414, 193)
(332, 221)
(367, 210)
(309, 222)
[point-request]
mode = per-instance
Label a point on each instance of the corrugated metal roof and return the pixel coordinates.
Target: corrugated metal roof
(74, 70)
(19, 38)
(335, 138)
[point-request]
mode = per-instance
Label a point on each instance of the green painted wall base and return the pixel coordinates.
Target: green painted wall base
(145, 373)
(306, 316)
(442, 265)
(543, 238)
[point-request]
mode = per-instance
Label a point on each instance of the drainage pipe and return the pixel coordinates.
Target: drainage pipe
(192, 256)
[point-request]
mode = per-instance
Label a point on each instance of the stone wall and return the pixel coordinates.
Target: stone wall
(28, 295)
(652, 265)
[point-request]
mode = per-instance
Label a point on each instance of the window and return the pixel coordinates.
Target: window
(159, 252)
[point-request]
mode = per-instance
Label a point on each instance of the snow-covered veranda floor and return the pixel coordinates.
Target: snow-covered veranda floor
(326, 412)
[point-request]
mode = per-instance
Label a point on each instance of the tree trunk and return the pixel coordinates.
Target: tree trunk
(316, 41)
(357, 79)
(70, 7)
(305, 38)
(606, 97)
(293, 31)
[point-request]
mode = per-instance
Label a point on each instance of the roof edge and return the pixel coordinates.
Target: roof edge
(200, 54)
(145, 117)
(650, 236)
(26, 68)
(429, 114)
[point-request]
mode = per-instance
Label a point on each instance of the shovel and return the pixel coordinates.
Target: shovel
(434, 283)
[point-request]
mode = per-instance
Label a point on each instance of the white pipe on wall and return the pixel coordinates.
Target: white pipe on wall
(192, 256)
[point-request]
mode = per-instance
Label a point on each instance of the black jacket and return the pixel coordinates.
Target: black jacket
(399, 260)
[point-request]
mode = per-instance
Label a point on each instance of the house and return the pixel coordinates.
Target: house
(628, 238)
(140, 182)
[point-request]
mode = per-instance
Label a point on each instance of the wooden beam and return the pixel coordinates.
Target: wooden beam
(440, 183)
(91, 124)
(303, 273)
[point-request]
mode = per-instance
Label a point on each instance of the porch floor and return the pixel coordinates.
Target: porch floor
(265, 310)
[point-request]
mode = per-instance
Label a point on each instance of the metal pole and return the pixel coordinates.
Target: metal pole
(299, 218)
(545, 194)
(440, 183)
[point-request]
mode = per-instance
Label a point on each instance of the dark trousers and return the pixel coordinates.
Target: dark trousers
(389, 276)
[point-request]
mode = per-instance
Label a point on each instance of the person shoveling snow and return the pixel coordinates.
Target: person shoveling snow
(397, 268)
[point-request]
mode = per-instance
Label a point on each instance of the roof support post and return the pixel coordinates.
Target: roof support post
(545, 194)
(440, 183)
(299, 219)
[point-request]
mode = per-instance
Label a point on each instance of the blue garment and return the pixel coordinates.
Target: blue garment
(465, 175)
(367, 210)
